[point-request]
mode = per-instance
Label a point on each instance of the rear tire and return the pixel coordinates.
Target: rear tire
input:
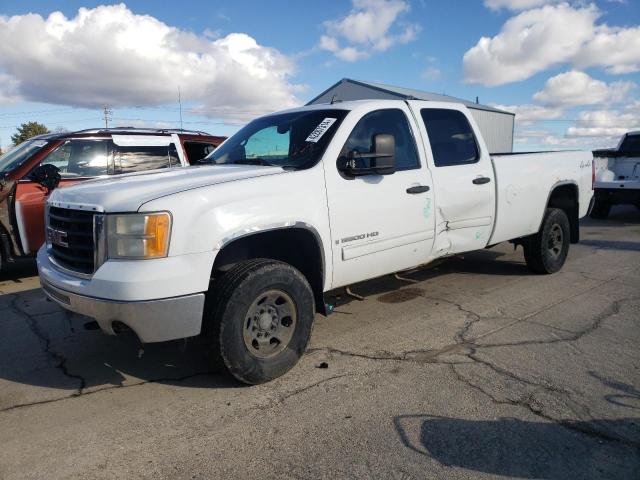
(546, 251)
(260, 316)
(601, 209)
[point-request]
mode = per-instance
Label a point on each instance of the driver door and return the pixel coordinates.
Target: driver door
(380, 223)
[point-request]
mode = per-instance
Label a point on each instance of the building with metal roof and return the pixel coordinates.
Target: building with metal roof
(496, 125)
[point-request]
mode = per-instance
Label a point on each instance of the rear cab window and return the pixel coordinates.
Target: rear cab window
(451, 137)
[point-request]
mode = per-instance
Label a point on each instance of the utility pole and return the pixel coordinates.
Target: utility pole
(107, 114)
(180, 105)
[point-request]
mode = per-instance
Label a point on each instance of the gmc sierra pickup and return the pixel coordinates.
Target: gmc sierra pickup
(295, 204)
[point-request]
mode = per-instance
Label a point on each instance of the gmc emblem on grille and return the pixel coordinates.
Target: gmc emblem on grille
(57, 237)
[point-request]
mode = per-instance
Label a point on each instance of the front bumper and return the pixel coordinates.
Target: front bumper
(152, 320)
(159, 300)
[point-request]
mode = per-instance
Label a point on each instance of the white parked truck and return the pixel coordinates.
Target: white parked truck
(617, 174)
(295, 204)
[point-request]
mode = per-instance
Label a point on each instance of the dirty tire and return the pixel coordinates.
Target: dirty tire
(546, 251)
(229, 303)
(600, 209)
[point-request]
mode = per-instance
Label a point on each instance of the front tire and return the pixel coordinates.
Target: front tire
(261, 318)
(546, 251)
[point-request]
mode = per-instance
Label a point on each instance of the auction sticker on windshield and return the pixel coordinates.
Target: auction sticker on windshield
(320, 130)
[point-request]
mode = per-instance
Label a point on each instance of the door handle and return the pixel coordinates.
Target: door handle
(418, 189)
(481, 180)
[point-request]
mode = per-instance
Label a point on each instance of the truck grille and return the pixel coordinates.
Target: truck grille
(71, 239)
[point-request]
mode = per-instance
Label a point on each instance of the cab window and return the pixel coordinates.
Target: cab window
(80, 158)
(389, 121)
(451, 137)
(196, 151)
(128, 159)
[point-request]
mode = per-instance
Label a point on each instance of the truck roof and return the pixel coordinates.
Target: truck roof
(346, 105)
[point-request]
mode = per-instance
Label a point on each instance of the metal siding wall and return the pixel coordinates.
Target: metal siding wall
(349, 91)
(496, 128)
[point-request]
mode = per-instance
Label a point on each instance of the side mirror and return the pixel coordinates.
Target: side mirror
(381, 160)
(46, 175)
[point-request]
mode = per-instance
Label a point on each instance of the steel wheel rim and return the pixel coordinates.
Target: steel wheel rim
(269, 324)
(556, 240)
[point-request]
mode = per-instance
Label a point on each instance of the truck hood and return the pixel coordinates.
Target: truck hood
(126, 193)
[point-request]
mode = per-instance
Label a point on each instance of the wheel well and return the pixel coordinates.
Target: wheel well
(296, 246)
(565, 197)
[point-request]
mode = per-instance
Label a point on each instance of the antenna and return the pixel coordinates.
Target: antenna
(180, 105)
(107, 115)
(477, 99)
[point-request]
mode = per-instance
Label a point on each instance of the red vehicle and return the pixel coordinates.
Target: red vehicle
(31, 170)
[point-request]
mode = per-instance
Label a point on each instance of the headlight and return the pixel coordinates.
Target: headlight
(138, 235)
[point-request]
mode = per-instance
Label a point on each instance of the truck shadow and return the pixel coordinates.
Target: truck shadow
(45, 346)
(390, 289)
(612, 245)
(512, 447)
(620, 216)
(21, 268)
(41, 344)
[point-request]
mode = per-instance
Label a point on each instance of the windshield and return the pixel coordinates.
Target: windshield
(18, 155)
(290, 140)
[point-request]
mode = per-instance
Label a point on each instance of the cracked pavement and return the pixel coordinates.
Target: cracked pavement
(472, 369)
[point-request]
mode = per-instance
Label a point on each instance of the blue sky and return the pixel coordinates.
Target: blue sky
(588, 51)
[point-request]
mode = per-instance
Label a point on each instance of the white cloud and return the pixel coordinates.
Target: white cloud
(575, 88)
(604, 123)
(110, 55)
(8, 89)
(371, 26)
(517, 4)
(527, 114)
(431, 73)
(616, 49)
(538, 39)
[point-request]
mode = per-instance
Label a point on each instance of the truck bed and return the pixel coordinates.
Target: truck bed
(524, 182)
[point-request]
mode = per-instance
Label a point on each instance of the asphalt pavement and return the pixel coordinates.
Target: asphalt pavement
(475, 368)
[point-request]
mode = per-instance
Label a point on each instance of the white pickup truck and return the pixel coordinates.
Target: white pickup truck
(296, 204)
(617, 175)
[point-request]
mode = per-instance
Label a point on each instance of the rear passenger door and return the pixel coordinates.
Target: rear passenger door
(463, 177)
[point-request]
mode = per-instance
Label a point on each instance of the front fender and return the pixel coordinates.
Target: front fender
(207, 218)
